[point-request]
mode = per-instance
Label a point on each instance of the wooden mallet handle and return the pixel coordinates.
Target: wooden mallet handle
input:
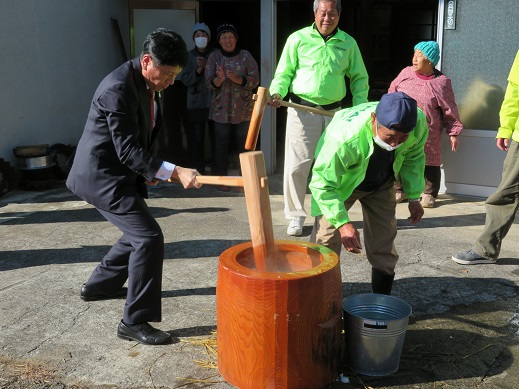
(256, 118)
(217, 180)
(309, 109)
(221, 180)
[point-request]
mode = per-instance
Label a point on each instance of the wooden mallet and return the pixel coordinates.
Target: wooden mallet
(261, 98)
(255, 186)
(256, 118)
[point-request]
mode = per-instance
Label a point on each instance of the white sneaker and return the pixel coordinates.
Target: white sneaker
(428, 201)
(295, 228)
(400, 196)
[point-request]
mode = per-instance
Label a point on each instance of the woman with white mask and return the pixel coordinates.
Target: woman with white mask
(198, 97)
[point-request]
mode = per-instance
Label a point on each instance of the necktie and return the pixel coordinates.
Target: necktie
(152, 94)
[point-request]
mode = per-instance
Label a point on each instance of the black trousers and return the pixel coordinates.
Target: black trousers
(433, 176)
(196, 143)
(137, 257)
(222, 140)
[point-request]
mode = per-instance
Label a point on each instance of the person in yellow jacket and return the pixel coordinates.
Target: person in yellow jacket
(502, 206)
(358, 157)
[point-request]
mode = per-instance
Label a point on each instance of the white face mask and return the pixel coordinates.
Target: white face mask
(382, 144)
(201, 42)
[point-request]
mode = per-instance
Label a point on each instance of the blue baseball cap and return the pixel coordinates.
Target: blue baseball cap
(397, 111)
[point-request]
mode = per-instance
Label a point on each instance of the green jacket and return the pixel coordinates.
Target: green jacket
(509, 113)
(314, 69)
(342, 158)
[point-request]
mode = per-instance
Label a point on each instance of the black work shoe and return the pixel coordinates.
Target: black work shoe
(143, 333)
(92, 293)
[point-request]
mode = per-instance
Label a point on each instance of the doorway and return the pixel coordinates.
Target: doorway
(386, 32)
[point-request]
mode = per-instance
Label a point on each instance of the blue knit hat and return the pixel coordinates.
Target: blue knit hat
(202, 27)
(430, 49)
(397, 111)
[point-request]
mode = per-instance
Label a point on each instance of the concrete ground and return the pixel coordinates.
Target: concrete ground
(463, 331)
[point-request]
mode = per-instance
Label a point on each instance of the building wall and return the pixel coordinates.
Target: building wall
(55, 53)
(477, 56)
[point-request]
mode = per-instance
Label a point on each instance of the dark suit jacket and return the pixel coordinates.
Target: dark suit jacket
(115, 153)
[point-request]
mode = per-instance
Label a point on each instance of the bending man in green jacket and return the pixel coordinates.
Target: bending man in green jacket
(358, 157)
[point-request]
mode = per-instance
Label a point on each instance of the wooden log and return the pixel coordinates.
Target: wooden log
(279, 330)
(256, 118)
(258, 209)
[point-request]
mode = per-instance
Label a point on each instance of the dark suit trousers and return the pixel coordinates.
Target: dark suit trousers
(137, 256)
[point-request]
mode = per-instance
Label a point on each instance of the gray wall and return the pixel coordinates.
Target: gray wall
(477, 56)
(54, 54)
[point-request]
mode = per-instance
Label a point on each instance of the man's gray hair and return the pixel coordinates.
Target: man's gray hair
(337, 4)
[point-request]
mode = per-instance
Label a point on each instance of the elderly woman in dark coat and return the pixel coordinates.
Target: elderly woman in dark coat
(232, 74)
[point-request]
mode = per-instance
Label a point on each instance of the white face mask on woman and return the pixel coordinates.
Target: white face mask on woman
(201, 42)
(381, 143)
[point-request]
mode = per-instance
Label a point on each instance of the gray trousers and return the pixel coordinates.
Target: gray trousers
(303, 131)
(501, 207)
(379, 227)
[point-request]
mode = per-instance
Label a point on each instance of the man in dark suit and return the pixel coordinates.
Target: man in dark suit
(113, 163)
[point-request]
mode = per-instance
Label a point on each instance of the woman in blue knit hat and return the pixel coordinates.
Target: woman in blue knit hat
(433, 92)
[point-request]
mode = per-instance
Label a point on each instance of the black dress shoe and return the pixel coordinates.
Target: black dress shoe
(92, 293)
(143, 333)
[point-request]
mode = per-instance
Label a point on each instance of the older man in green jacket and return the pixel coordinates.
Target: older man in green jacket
(311, 72)
(358, 157)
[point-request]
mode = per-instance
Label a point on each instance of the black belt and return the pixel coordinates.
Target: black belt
(328, 107)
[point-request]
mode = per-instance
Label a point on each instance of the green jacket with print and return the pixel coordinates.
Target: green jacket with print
(342, 158)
